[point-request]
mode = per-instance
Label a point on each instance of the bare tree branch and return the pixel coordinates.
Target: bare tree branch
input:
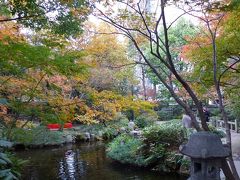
(221, 75)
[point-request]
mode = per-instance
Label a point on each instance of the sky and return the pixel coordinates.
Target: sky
(172, 12)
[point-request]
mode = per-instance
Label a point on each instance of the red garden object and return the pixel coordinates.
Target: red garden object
(57, 126)
(68, 125)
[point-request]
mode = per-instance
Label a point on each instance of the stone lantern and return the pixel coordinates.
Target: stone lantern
(206, 152)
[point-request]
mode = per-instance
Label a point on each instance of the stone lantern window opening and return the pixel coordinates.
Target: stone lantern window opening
(197, 167)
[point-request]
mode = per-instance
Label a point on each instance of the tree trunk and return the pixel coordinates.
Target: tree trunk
(170, 89)
(185, 85)
(221, 105)
(166, 60)
(154, 91)
(227, 171)
(144, 83)
(228, 133)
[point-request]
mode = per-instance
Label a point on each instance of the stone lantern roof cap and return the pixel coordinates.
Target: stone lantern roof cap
(205, 145)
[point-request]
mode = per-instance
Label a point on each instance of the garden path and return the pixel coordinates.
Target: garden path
(236, 144)
(236, 149)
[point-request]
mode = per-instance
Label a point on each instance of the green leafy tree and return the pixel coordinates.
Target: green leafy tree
(179, 36)
(111, 64)
(213, 48)
(147, 27)
(60, 16)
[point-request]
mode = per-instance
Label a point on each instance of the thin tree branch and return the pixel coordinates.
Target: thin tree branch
(221, 75)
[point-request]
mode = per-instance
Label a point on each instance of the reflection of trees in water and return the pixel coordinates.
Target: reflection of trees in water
(71, 166)
(81, 162)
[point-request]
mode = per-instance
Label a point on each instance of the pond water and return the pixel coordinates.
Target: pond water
(86, 161)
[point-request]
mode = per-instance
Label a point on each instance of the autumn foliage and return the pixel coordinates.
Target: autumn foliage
(57, 85)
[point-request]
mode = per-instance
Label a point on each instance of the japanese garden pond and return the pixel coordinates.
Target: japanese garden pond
(85, 161)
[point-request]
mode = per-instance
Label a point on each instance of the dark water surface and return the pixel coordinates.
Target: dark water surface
(86, 161)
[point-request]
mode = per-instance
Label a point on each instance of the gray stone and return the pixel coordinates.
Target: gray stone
(131, 125)
(69, 138)
(135, 133)
(186, 121)
(122, 129)
(87, 136)
(6, 144)
(206, 152)
(158, 122)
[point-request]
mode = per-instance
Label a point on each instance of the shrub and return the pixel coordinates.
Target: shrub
(170, 112)
(109, 133)
(154, 153)
(169, 133)
(164, 115)
(144, 120)
(156, 149)
(125, 149)
(10, 166)
(120, 121)
(37, 136)
(6, 168)
(214, 130)
(114, 127)
(215, 112)
(172, 162)
(92, 129)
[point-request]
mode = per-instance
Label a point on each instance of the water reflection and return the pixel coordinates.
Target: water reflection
(71, 166)
(66, 166)
(86, 162)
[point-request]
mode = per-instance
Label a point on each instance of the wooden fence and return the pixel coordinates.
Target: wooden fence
(234, 126)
